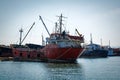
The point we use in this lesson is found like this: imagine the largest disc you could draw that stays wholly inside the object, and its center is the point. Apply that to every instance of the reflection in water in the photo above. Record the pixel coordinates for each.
(65, 71)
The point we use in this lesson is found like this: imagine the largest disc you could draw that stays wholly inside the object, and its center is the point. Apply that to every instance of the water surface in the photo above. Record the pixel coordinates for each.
(84, 69)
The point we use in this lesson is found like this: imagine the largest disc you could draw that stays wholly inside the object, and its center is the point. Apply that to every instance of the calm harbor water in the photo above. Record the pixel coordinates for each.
(84, 69)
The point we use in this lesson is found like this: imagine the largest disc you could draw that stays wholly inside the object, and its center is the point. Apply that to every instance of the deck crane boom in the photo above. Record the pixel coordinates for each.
(28, 32)
(44, 25)
(78, 32)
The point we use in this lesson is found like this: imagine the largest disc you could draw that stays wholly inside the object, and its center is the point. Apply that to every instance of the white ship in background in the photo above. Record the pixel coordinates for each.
(94, 50)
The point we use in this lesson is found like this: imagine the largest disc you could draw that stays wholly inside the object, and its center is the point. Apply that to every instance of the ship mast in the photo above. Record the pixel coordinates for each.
(43, 42)
(109, 43)
(91, 42)
(21, 30)
(60, 21)
(101, 41)
(56, 27)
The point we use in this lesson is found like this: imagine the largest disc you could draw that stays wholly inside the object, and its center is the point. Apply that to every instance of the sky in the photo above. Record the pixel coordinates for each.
(101, 18)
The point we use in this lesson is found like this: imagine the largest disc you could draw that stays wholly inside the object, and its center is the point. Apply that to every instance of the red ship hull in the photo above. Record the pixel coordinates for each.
(50, 53)
(68, 54)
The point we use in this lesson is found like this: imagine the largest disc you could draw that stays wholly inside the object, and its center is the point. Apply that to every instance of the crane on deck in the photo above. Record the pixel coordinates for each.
(44, 25)
(21, 41)
(77, 32)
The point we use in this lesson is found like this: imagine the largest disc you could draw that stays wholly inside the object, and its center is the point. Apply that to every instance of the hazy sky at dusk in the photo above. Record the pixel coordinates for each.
(99, 17)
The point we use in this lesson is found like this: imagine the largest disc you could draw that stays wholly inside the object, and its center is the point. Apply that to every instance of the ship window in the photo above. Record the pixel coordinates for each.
(38, 55)
(20, 54)
(28, 56)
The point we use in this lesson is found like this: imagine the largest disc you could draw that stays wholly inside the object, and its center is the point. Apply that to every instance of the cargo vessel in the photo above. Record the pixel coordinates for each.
(61, 46)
